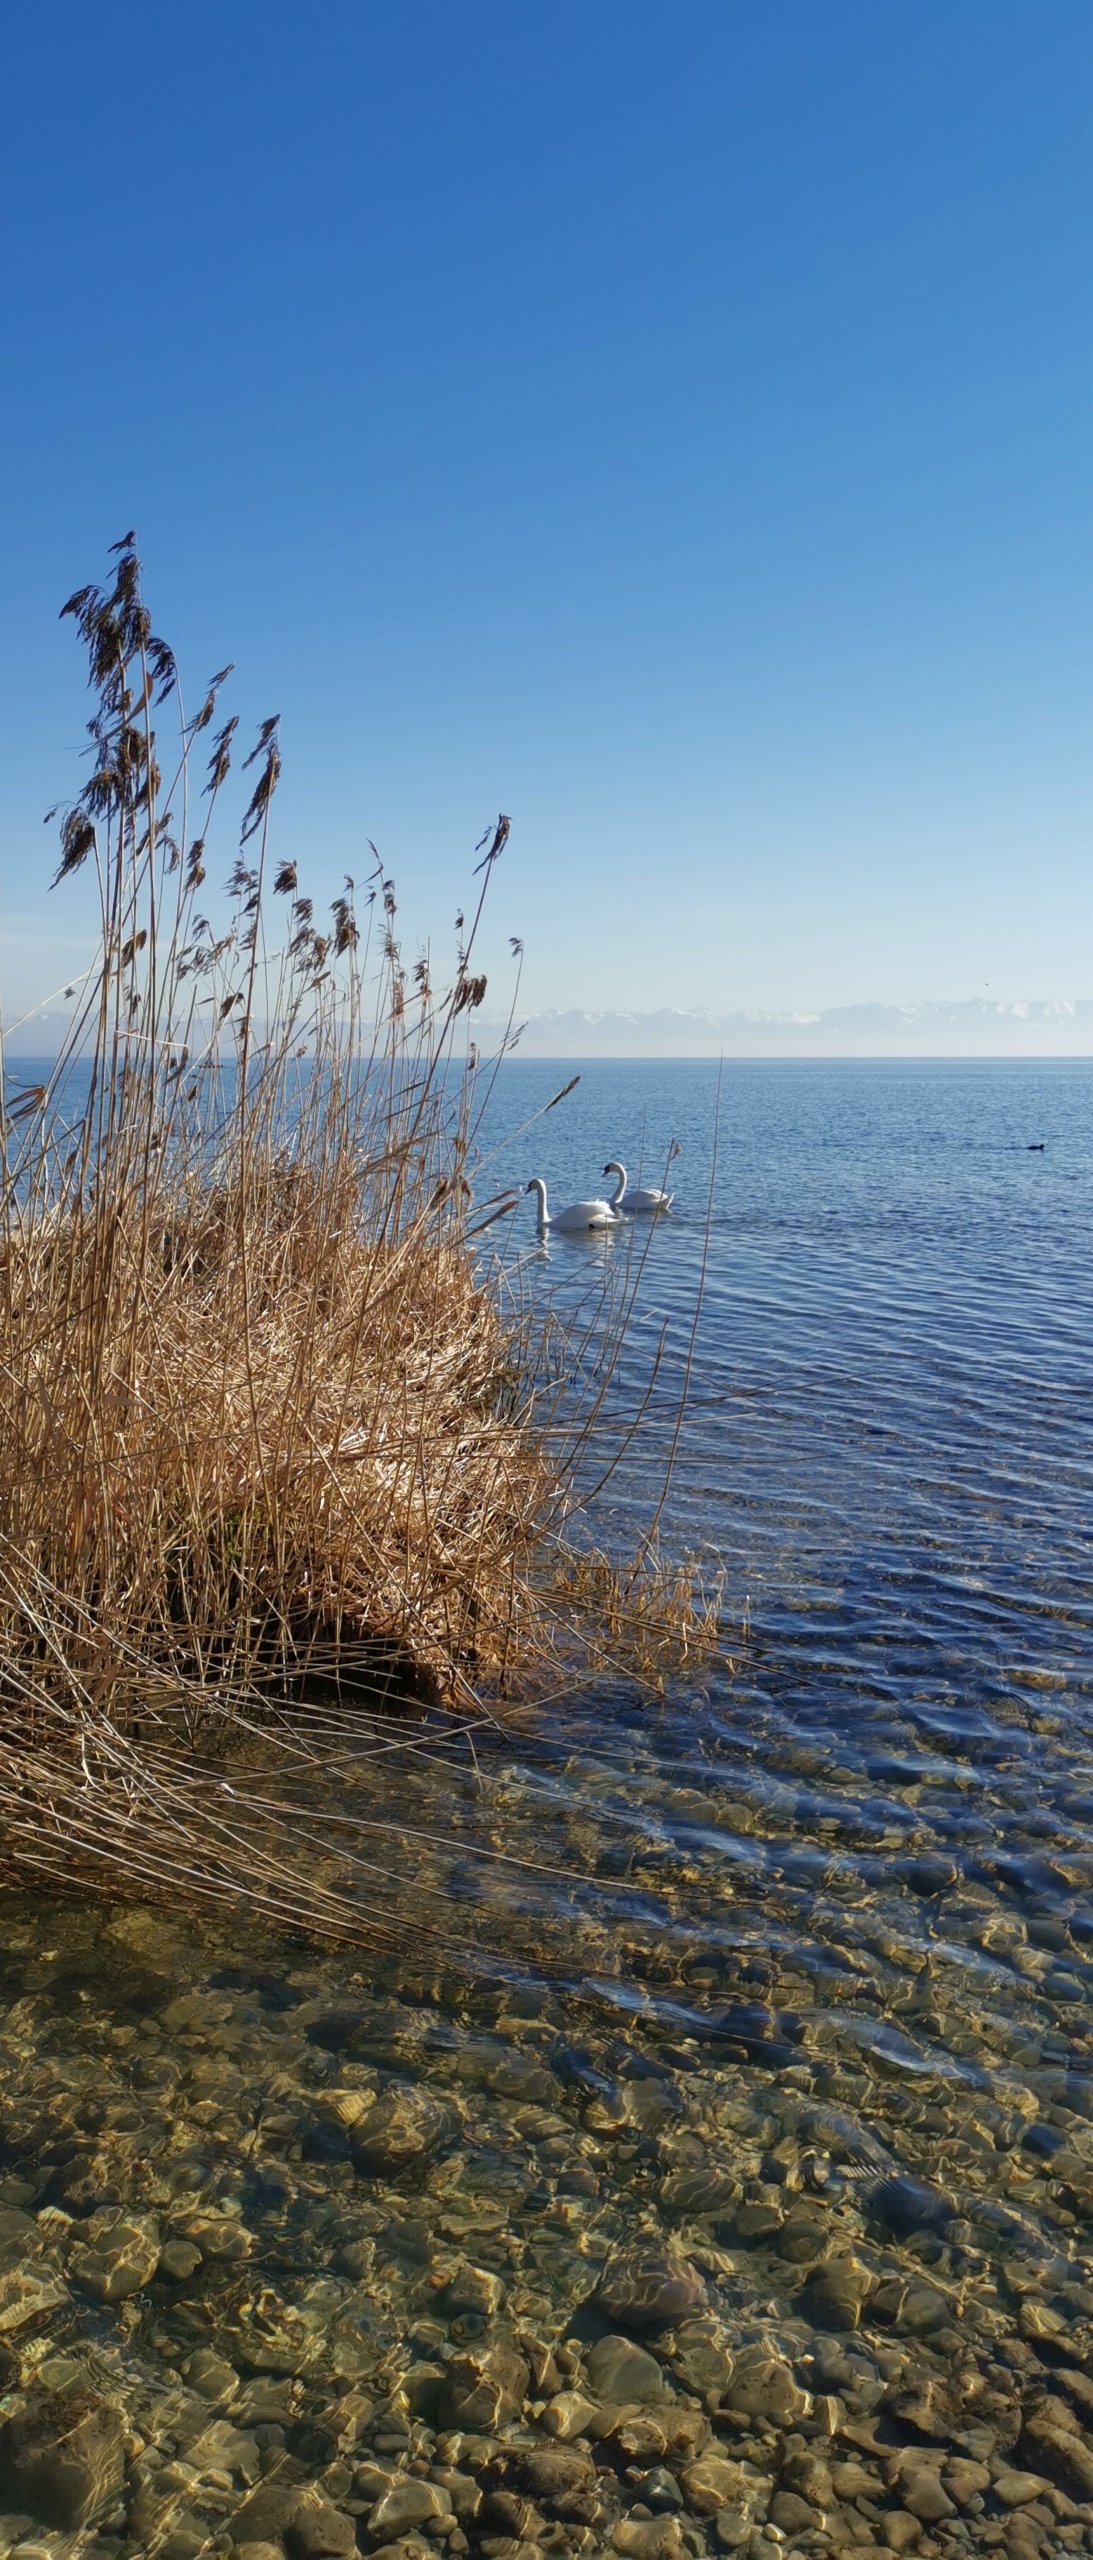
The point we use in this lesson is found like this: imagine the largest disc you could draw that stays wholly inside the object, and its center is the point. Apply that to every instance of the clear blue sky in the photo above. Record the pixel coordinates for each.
(672, 424)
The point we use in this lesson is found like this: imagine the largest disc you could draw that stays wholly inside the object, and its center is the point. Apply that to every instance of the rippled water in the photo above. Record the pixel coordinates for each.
(783, 2070)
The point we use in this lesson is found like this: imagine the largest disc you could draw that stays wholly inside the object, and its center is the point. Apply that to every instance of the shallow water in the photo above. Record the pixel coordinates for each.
(775, 2056)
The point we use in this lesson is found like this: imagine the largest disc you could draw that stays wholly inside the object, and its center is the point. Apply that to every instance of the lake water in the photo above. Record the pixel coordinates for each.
(775, 2058)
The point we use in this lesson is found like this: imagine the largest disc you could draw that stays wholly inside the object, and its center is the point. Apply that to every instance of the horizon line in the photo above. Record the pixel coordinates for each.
(716, 1057)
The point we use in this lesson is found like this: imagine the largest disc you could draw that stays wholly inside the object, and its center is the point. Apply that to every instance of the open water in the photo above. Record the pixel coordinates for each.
(739, 2196)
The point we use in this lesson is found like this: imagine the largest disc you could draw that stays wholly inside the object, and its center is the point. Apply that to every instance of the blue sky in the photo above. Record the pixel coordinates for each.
(669, 423)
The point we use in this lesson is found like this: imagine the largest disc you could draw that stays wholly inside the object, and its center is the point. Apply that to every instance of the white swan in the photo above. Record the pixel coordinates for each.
(638, 1203)
(577, 1220)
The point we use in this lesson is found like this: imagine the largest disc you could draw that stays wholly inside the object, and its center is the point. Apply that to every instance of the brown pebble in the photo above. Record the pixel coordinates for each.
(923, 2495)
(658, 2539)
(899, 2530)
(811, 2478)
(1017, 2488)
(1023, 2539)
(964, 2479)
(790, 2513)
(711, 2484)
(319, 2531)
(1050, 2441)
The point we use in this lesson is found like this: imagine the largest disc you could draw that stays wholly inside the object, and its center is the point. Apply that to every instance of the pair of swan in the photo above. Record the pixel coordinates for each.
(585, 1215)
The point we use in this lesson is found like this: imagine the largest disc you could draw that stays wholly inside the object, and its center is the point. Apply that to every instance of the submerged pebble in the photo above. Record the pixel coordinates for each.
(764, 2230)
(647, 2287)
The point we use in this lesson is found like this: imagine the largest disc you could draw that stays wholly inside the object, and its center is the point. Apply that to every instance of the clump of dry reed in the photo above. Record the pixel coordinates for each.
(269, 1453)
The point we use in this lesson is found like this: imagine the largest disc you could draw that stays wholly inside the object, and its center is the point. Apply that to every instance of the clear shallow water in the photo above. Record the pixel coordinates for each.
(817, 1926)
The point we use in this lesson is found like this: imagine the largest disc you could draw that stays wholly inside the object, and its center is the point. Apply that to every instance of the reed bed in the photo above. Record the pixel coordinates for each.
(278, 1462)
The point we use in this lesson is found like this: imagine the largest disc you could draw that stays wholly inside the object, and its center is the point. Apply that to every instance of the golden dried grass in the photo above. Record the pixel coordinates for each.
(272, 1459)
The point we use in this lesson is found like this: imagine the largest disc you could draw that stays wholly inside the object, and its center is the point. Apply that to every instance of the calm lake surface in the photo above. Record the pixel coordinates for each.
(775, 2056)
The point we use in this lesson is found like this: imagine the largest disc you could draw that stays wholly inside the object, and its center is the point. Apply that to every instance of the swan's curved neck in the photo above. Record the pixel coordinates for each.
(620, 1186)
(538, 1185)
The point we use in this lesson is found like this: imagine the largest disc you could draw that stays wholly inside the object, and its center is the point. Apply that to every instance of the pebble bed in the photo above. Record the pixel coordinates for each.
(761, 2226)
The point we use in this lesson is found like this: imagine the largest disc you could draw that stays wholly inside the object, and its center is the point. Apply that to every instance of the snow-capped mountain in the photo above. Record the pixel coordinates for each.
(977, 1026)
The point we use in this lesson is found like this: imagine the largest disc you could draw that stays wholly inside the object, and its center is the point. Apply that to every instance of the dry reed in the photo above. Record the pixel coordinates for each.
(272, 1460)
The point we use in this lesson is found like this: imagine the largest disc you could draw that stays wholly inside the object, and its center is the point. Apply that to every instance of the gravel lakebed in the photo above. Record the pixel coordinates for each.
(303, 2254)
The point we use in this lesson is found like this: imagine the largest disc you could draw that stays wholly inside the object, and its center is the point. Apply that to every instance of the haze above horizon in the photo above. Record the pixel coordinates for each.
(670, 426)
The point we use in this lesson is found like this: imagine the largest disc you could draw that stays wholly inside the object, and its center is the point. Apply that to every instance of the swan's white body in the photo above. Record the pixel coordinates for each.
(640, 1204)
(579, 1219)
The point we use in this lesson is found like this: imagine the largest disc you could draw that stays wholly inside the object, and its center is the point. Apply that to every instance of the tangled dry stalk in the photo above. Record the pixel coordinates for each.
(271, 1461)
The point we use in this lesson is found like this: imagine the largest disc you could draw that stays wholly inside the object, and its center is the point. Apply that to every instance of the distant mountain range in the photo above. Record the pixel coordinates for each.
(1030, 1027)
(1034, 1026)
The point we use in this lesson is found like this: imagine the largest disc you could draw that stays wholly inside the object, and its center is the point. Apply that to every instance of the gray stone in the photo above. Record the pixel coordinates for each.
(211, 2375)
(1024, 2537)
(1058, 2453)
(659, 2539)
(400, 2132)
(406, 2505)
(905, 2206)
(702, 2358)
(931, 2404)
(686, 2429)
(569, 2414)
(474, 2289)
(184, 2542)
(922, 2310)
(18, 2230)
(900, 2530)
(634, 2432)
(483, 2389)
(422, 2384)
(965, 2479)
(371, 2479)
(646, 2288)
(790, 2513)
(223, 2447)
(661, 2491)
(27, 2291)
(712, 2483)
(116, 2254)
(563, 2480)
(318, 2531)
(341, 2109)
(922, 2494)
(804, 2237)
(1078, 2388)
(710, 2193)
(810, 2477)
(762, 2386)
(266, 2514)
(179, 2259)
(465, 2494)
(1017, 2488)
(504, 2512)
(62, 2457)
(836, 2293)
(619, 2371)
